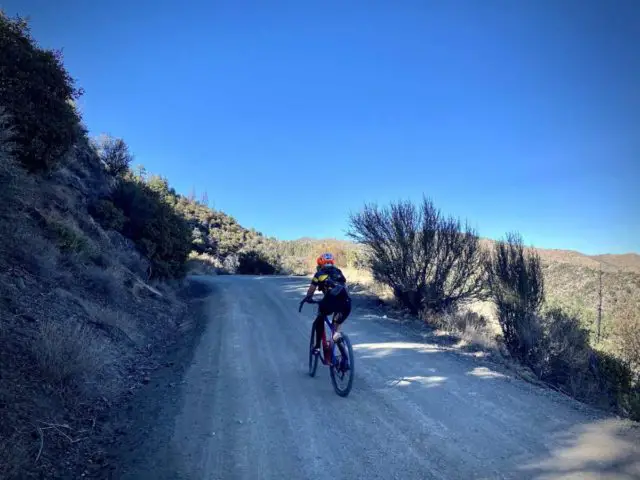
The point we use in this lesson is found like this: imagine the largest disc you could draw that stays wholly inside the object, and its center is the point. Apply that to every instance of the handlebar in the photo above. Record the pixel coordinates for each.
(304, 300)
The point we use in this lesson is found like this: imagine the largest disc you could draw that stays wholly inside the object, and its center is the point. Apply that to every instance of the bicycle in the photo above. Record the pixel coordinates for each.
(331, 355)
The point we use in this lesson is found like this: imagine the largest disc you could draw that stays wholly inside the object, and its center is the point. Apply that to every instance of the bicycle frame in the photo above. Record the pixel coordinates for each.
(328, 345)
(328, 357)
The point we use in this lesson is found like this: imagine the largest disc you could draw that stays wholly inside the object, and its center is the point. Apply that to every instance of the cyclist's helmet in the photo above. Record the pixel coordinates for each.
(325, 259)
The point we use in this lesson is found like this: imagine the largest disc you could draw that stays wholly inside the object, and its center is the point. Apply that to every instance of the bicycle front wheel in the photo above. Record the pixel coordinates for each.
(342, 371)
(313, 359)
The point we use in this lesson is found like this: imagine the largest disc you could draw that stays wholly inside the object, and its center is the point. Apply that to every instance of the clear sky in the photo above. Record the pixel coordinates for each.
(515, 115)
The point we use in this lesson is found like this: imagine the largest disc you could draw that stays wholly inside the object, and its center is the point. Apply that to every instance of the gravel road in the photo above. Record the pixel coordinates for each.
(246, 408)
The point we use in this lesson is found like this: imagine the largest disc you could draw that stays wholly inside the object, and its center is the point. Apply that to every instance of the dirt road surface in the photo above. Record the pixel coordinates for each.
(245, 407)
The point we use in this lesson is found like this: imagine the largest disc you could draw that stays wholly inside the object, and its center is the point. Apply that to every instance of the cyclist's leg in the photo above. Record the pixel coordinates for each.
(338, 319)
(342, 311)
(323, 311)
(318, 324)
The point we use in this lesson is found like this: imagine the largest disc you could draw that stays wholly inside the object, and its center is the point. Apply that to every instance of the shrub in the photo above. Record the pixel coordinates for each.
(428, 260)
(158, 231)
(615, 379)
(38, 93)
(562, 352)
(516, 285)
(626, 335)
(254, 263)
(114, 155)
(110, 216)
(230, 264)
(69, 237)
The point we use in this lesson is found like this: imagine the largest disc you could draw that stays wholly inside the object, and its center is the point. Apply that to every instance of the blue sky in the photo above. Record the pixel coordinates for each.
(514, 115)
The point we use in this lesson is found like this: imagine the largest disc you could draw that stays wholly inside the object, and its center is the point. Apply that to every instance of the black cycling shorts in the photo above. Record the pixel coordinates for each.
(331, 304)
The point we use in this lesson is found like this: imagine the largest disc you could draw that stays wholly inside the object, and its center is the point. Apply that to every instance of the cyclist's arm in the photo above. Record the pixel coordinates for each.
(311, 291)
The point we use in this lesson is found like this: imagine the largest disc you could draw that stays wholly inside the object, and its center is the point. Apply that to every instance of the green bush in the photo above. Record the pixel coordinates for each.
(143, 210)
(114, 155)
(615, 379)
(255, 263)
(69, 238)
(110, 216)
(38, 93)
(158, 230)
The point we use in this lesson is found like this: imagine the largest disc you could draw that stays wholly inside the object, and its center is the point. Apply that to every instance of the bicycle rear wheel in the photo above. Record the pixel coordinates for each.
(342, 372)
(313, 359)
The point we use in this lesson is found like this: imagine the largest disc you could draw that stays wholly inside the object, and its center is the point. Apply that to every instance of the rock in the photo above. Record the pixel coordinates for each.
(20, 283)
(146, 380)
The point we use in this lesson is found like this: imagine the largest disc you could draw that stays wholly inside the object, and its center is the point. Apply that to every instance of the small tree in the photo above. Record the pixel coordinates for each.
(114, 154)
(38, 93)
(431, 262)
(516, 284)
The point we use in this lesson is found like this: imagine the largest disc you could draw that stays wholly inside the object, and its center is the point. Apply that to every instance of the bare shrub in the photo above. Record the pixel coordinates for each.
(516, 285)
(69, 351)
(431, 262)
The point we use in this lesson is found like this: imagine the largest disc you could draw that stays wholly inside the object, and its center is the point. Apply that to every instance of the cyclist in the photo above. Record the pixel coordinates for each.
(332, 283)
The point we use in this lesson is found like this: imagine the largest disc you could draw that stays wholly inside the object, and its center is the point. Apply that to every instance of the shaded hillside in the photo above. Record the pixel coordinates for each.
(83, 311)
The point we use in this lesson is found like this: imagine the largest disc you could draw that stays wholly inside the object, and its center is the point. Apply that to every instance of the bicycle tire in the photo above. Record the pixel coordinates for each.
(344, 392)
(313, 359)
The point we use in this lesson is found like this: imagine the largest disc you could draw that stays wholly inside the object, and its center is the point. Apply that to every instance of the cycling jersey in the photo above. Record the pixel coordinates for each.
(330, 280)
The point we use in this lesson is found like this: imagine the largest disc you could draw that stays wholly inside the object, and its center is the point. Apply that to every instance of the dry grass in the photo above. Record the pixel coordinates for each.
(108, 283)
(14, 450)
(364, 279)
(69, 352)
(471, 328)
(115, 320)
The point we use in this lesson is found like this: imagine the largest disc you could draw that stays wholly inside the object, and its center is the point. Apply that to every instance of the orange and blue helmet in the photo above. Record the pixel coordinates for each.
(325, 259)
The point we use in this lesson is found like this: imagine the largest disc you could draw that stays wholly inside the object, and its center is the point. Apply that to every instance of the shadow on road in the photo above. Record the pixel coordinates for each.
(604, 449)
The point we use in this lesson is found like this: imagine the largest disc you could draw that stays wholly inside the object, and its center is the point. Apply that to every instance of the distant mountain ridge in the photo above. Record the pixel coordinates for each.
(626, 262)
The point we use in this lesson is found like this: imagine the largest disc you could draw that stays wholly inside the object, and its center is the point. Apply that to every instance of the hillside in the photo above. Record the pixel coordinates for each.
(571, 277)
(91, 266)
(627, 261)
